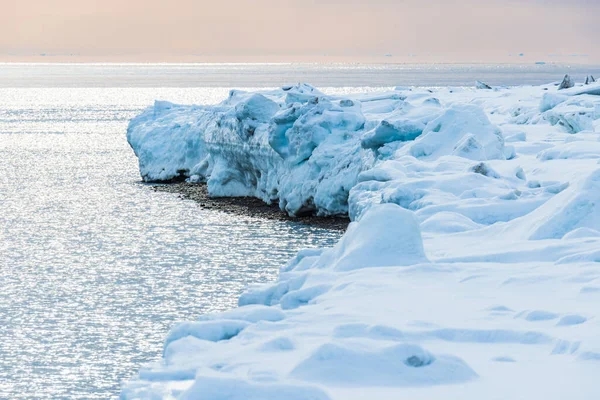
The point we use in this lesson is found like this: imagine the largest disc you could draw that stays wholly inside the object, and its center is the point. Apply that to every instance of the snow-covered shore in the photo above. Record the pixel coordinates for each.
(472, 267)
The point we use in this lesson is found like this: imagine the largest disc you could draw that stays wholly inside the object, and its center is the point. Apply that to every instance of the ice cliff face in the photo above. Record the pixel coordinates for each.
(295, 146)
(450, 150)
(299, 147)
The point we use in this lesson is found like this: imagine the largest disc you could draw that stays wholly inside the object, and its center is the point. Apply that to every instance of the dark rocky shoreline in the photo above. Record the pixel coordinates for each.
(248, 206)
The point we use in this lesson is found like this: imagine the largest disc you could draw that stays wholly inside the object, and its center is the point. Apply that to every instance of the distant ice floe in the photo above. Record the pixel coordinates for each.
(473, 258)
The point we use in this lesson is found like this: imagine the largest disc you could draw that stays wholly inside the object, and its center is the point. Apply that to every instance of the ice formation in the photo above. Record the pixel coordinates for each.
(482, 85)
(566, 83)
(261, 145)
(589, 79)
(472, 259)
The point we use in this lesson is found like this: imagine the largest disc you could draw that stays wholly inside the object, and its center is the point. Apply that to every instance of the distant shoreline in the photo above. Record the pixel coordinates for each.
(272, 75)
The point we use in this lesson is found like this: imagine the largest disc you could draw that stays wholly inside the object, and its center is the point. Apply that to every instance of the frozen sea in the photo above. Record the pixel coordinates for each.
(94, 265)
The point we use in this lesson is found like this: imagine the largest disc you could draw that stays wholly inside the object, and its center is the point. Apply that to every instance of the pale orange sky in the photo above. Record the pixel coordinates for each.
(294, 30)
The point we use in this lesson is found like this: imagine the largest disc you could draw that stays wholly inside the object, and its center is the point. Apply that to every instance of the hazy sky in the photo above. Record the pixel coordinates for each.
(283, 30)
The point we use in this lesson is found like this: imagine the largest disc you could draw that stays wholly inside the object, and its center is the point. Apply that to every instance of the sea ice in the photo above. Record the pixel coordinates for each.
(468, 264)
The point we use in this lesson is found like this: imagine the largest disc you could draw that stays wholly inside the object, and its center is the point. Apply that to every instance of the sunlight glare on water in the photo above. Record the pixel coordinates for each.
(95, 266)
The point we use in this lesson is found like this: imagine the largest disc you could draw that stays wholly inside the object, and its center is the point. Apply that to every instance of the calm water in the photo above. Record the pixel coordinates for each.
(262, 75)
(95, 266)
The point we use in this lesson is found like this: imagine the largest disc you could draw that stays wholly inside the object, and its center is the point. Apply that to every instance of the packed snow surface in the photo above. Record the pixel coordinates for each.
(471, 269)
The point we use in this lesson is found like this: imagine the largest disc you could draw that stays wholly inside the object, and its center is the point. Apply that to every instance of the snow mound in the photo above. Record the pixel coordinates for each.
(517, 137)
(591, 89)
(573, 118)
(297, 298)
(362, 246)
(387, 132)
(570, 320)
(255, 108)
(398, 365)
(572, 151)
(551, 100)
(574, 208)
(278, 344)
(463, 130)
(212, 331)
(582, 233)
(448, 222)
(272, 294)
(251, 313)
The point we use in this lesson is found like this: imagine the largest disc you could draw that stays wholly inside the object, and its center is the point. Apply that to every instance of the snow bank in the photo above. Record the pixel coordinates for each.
(592, 89)
(573, 118)
(576, 207)
(463, 130)
(364, 246)
(397, 365)
(469, 263)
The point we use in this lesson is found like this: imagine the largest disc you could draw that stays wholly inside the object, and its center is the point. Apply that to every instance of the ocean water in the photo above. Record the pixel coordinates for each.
(95, 266)
(271, 75)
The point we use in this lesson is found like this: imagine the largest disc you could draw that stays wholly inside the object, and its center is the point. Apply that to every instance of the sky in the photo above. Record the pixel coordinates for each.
(301, 30)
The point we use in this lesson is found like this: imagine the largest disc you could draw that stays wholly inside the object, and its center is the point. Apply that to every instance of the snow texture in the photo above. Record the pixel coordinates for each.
(472, 259)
